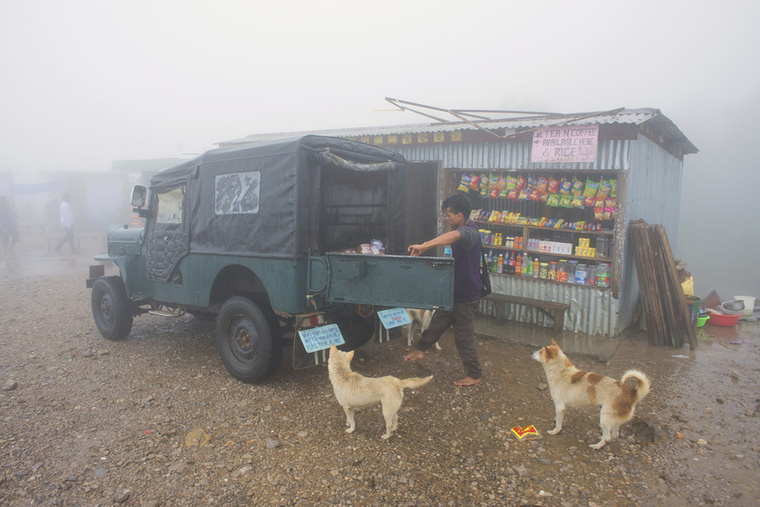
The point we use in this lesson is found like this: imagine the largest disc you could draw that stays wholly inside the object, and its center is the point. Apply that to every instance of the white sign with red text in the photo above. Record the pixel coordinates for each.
(565, 144)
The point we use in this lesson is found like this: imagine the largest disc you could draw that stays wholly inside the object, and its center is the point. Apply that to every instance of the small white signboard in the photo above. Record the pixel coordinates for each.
(394, 317)
(320, 338)
(565, 144)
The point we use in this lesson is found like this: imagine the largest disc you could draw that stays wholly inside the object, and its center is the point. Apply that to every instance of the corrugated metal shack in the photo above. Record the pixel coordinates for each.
(641, 149)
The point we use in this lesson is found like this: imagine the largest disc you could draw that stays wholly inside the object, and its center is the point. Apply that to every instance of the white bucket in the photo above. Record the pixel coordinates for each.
(749, 304)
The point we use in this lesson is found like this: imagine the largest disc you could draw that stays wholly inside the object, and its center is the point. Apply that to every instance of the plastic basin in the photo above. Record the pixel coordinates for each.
(749, 304)
(717, 319)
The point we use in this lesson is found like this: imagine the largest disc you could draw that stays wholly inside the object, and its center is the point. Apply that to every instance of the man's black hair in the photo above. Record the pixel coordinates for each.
(458, 203)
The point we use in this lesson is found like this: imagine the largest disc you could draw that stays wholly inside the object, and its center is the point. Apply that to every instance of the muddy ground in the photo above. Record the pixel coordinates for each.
(157, 420)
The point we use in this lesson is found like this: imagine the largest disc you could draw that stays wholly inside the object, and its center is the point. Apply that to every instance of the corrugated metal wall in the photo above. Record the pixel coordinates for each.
(653, 192)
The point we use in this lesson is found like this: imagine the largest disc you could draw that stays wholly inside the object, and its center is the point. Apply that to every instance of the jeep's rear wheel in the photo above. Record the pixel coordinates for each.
(111, 308)
(245, 341)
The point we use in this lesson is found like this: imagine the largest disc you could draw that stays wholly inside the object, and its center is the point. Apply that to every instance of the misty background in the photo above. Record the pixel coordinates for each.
(89, 82)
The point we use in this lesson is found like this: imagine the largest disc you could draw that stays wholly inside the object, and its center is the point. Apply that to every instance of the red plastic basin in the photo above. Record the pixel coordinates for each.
(718, 319)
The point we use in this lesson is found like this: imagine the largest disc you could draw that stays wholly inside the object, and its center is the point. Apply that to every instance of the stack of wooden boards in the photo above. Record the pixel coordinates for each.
(666, 311)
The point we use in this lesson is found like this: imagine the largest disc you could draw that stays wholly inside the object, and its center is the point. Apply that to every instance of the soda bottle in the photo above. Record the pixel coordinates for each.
(489, 259)
(511, 263)
(518, 265)
(536, 267)
(500, 267)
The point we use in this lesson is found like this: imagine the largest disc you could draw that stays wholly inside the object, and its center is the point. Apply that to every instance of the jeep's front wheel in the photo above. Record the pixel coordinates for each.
(111, 308)
(245, 341)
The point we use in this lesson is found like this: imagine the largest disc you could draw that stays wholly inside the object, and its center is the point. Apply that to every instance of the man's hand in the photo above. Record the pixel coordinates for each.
(416, 250)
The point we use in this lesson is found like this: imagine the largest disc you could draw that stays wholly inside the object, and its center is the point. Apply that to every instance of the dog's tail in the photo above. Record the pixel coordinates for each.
(414, 382)
(644, 383)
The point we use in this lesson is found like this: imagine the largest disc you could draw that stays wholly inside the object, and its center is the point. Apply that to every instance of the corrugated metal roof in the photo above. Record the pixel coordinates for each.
(660, 123)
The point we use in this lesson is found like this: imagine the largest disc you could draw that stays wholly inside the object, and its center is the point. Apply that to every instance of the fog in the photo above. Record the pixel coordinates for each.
(88, 82)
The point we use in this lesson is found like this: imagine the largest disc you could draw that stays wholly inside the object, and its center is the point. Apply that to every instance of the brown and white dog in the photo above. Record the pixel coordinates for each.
(353, 390)
(571, 387)
(421, 317)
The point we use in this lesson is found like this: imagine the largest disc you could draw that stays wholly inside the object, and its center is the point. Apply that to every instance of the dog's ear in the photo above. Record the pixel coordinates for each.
(554, 343)
(350, 356)
(333, 349)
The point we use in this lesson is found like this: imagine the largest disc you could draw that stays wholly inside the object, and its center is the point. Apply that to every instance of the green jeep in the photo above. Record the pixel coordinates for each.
(264, 239)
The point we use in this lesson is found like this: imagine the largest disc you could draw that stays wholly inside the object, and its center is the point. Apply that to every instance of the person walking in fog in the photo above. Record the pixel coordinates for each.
(8, 227)
(67, 222)
(466, 246)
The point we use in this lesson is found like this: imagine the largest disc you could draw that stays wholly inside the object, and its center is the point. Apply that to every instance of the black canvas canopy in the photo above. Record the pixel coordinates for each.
(275, 199)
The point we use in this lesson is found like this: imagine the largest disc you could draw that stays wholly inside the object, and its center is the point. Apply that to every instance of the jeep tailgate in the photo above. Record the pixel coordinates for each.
(384, 280)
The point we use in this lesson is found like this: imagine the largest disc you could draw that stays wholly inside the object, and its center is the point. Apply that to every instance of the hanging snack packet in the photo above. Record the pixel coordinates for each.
(532, 183)
(464, 183)
(591, 188)
(475, 182)
(484, 185)
(521, 182)
(493, 182)
(501, 184)
(523, 194)
(543, 184)
(565, 186)
(599, 201)
(577, 188)
(553, 186)
(609, 213)
(577, 201)
(534, 195)
(565, 201)
(553, 200)
(604, 189)
(588, 201)
(610, 203)
(598, 213)
(512, 194)
(613, 188)
(511, 182)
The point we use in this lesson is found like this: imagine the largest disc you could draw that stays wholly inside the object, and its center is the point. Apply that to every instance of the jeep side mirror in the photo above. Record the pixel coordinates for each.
(139, 194)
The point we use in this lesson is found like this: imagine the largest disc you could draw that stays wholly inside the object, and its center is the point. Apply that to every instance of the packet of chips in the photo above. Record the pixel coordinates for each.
(512, 194)
(565, 201)
(598, 213)
(532, 183)
(464, 183)
(577, 188)
(589, 201)
(609, 213)
(542, 184)
(577, 201)
(552, 200)
(484, 185)
(552, 186)
(604, 189)
(475, 182)
(610, 203)
(591, 188)
(511, 182)
(523, 194)
(521, 182)
(534, 195)
(564, 186)
(613, 188)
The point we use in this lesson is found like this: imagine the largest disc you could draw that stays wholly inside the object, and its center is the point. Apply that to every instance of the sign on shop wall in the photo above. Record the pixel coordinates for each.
(565, 144)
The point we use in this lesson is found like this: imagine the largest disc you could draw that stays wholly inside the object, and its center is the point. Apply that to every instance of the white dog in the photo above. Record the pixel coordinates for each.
(571, 387)
(353, 390)
(421, 317)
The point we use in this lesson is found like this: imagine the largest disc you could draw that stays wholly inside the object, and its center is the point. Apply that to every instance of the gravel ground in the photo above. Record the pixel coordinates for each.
(157, 420)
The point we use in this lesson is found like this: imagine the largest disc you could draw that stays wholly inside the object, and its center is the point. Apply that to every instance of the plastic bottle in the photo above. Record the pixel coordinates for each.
(536, 267)
(500, 264)
(512, 262)
(489, 259)
(518, 265)
(527, 269)
(447, 251)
